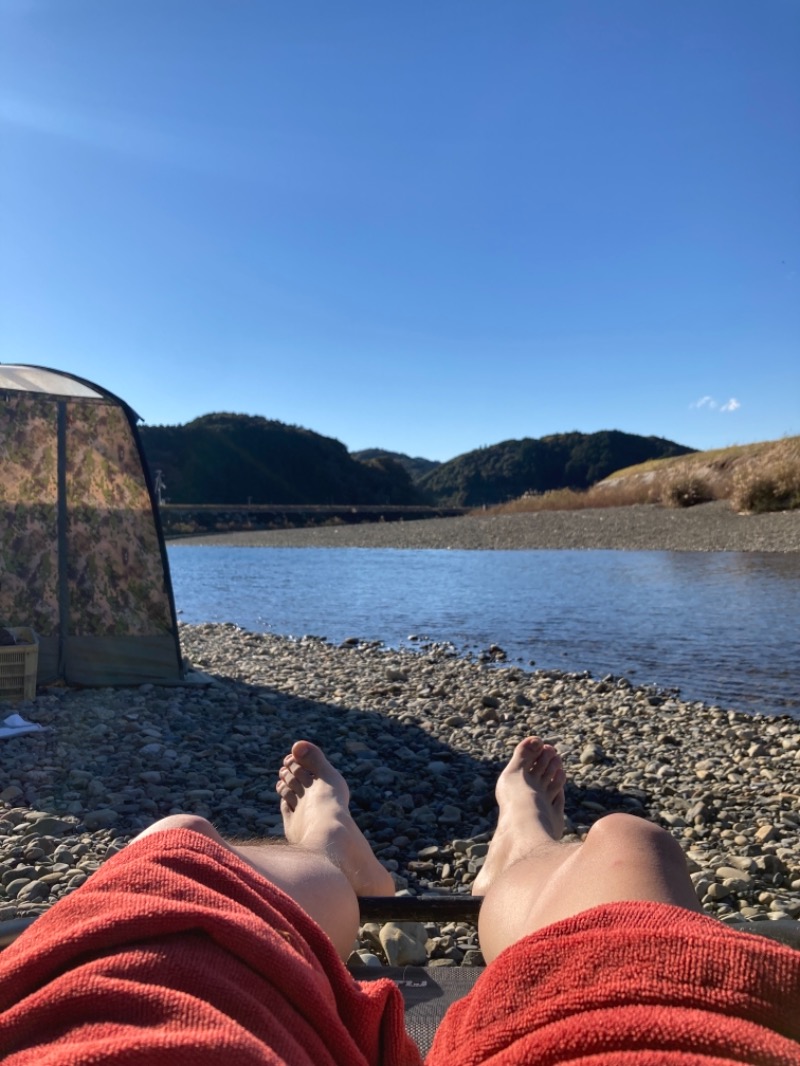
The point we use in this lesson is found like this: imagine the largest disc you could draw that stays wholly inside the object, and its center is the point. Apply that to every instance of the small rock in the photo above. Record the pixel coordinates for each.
(742, 862)
(698, 814)
(404, 943)
(473, 957)
(436, 766)
(13, 888)
(765, 833)
(591, 754)
(487, 714)
(104, 818)
(54, 878)
(675, 820)
(732, 873)
(477, 851)
(717, 892)
(382, 776)
(48, 825)
(365, 958)
(431, 852)
(701, 887)
(356, 747)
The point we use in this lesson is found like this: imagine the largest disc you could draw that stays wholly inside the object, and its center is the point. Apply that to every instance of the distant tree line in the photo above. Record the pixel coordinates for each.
(238, 459)
(234, 459)
(508, 470)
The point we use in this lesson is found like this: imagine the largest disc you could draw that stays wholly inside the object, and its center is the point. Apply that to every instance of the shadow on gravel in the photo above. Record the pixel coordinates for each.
(113, 762)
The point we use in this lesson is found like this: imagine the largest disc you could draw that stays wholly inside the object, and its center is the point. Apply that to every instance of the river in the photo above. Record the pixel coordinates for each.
(721, 627)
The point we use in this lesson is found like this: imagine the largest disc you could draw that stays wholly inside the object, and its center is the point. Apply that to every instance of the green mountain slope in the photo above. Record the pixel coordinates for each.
(417, 467)
(236, 459)
(566, 460)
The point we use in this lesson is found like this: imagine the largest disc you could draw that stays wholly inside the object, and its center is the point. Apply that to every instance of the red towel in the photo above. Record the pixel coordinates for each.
(630, 984)
(176, 951)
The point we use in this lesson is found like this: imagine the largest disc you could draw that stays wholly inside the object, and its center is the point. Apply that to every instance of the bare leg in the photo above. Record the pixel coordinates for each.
(531, 878)
(328, 861)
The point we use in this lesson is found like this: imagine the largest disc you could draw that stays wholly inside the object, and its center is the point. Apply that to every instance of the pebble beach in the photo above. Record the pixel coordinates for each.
(421, 736)
(710, 527)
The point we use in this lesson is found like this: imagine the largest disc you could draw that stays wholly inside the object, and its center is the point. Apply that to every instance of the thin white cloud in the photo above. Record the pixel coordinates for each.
(710, 404)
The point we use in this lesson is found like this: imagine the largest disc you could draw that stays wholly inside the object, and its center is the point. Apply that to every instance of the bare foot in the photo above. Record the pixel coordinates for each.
(316, 816)
(530, 795)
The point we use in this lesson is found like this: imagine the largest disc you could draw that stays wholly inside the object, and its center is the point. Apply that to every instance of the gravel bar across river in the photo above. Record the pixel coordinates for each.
(421, 736)
(646, 527)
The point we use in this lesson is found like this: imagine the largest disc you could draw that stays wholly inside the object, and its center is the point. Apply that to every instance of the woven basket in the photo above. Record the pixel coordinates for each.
(18, 665)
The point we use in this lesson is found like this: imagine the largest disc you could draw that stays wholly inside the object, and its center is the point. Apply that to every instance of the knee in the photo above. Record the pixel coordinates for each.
(187, 821)
(629, 834)
(183, 821)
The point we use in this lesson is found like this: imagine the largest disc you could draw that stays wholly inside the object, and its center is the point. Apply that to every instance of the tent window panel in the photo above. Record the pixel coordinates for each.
(28, 571)
(103, 467)
(28, 515)
(115, 572)
(28, 472)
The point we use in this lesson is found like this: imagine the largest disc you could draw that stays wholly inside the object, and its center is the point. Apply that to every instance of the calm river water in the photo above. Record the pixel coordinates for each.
(721, 627)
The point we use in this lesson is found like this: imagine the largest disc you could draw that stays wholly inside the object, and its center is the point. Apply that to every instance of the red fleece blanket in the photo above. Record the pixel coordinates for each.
(176, 951)
(630, 984)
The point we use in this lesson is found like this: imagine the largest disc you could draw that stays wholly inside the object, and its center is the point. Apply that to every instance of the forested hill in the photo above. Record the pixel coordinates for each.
(566, 460)
(416, 467)
(239, 459)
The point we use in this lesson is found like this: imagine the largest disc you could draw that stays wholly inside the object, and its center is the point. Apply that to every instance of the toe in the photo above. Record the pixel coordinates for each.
(292, 781)
(525, 754)
(289, 799)
(294, 771)
(310, 758)
(555, 786)
(546, 763)
(559, 778)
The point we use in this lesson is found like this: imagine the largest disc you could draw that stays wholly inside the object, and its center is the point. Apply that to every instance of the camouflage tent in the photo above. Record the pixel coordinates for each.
(82, 556)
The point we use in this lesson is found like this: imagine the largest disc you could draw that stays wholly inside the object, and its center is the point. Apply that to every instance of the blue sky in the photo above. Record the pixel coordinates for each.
(425, 226)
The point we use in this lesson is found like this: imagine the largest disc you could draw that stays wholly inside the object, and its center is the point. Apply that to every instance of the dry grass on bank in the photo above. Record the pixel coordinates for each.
(572, 500)
(755, 478)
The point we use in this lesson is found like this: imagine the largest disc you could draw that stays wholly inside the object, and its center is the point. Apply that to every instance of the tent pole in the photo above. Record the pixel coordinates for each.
(63, 575)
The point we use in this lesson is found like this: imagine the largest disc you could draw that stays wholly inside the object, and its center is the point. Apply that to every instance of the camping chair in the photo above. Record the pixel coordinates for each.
(428, 991)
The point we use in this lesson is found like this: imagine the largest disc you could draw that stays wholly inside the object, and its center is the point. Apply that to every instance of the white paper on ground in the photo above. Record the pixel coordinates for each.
(15, 725)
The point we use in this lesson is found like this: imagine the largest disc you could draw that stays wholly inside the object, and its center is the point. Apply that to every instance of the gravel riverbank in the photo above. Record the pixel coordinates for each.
(421, 737)
(646, 527)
